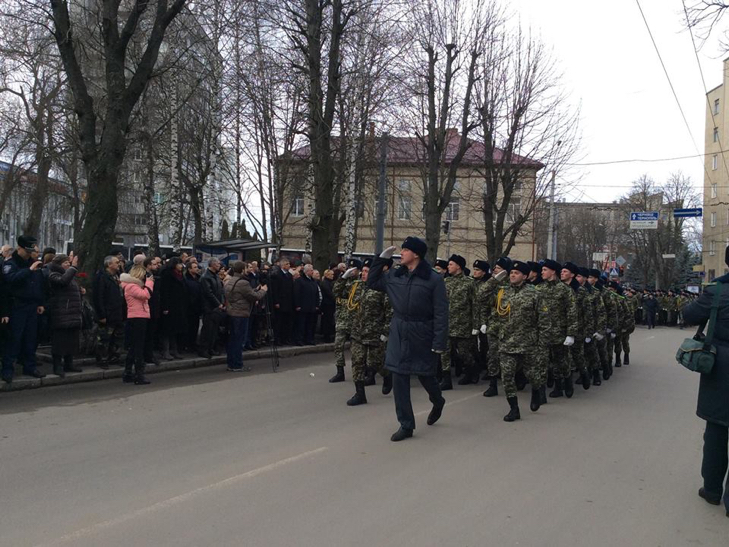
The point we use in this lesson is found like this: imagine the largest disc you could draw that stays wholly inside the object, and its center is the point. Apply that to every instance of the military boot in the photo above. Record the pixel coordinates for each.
(596, 378)
(585, 379)
(370, 377)
(387, 384)
(557, 391)
(618, 363)
(338, 377)
(513, 414)
(543, 395)
(550, 378)
(626, 358)
(468, 378)
(359, 397)
(446, 384)
(569, 388)
(536, 399)
(606, 372)
(493, 389)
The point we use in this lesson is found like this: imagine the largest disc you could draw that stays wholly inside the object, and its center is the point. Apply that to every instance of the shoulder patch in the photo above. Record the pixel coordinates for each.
(7, 268)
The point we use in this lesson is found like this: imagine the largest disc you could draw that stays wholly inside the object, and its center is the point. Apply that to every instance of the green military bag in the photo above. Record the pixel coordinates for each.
(698, 355)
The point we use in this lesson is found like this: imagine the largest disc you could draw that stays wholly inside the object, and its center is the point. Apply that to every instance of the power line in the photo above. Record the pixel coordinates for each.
(643, 160)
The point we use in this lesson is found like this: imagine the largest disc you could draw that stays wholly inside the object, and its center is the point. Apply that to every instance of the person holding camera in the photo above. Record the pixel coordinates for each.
(713, 401)
(26, 287)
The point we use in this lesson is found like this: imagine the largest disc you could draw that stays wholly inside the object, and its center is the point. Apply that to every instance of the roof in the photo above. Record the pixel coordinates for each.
(410, 151)
(236, 244)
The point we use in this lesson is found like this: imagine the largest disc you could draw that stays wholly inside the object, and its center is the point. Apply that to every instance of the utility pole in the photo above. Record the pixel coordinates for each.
(381, 195)
(551, 243)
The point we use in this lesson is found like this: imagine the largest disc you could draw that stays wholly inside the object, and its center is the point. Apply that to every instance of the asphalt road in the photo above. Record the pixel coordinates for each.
(209, 458)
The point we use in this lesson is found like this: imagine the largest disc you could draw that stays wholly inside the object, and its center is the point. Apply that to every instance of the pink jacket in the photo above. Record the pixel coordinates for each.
(137, 296)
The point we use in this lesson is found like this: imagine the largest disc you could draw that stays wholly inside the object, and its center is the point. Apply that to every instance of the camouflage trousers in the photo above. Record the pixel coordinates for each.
(364, 356)
(342, 336)
(557, 358)
(466, 350)
(622, 343)
(511, 363)
(602, 352)
(109, 341)
(610, 345)
(493, 366)
(592, 356)
(577, 356)
(482, 356)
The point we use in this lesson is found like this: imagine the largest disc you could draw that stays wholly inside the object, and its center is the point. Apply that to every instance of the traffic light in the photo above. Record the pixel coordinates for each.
(446, 226)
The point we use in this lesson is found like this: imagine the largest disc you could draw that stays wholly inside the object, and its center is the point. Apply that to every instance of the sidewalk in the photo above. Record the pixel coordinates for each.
(91, 372)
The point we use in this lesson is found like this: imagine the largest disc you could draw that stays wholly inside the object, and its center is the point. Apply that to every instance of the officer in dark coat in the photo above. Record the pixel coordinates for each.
(713, 403)
(419, 328)
(25, 283)
(282, 296)
(307, 299)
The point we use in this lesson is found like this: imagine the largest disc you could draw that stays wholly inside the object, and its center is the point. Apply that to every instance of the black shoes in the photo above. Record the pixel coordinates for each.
(557, 391)
(58, 371)
(493, 389)
(617, 360)
(596, 378)
(338, 377)
(35, 374)
(128, 379)
(513, 414)
(436, 412)
(569, 389)
(387, 384)
(710, 499)
(401, 434)
(585, 377)
(446, 384)
(536, 401)
(626, 359)
(543, 395)
(140, 380)
(359, 398)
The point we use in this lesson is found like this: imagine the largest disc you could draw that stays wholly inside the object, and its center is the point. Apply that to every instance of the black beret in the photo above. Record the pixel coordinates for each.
(354, 263)
(504, 263)
(27, 242)
(572, 267)
(584, 272)
(441, 263)
(553, 265)
(534, 266)
(416, 245)
(523, 267)
(458, 259)
(367, 262)
(594, 272)
(482, 265)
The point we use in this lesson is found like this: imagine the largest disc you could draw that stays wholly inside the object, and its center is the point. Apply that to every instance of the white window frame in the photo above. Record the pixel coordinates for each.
(404, 208)
(716, 134)
(714, 162)
(297, 206)
(713, 219)
(712, 247)
(716, 106)
(713, 190)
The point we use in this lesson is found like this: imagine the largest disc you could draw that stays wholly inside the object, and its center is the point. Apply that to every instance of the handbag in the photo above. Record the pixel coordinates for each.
(697, 355)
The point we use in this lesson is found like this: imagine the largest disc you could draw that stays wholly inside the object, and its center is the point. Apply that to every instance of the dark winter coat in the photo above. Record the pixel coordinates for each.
(306, 294)
(419, 326)
(155, 298)
(713, 403)
(107, 298)
(65, 300)
(194, 292)
(327, 294)
(174, 302)
(24, 286)
(212, 291)
(282, 290)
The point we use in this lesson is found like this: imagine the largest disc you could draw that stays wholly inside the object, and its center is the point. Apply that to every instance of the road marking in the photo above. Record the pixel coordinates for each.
(176, 500)
(450, 403)
(650, 338)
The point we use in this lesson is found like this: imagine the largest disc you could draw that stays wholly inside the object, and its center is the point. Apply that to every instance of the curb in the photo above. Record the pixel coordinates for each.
(93, 373)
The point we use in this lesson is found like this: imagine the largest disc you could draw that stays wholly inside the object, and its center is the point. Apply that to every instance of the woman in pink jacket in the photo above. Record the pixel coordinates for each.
(137, 289)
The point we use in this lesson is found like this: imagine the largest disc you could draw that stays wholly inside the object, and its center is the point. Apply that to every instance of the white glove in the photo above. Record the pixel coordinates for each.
(569, 341)
(599, 337)
(501, 275)
(483, 329)
(387, 253)
(349, 273)
(588, 340)
(612, 335)
(438, 351)
(383, 338)
(474, 332)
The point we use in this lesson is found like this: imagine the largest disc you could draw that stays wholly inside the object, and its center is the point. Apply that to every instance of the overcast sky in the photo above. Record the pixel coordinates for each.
(612, 70)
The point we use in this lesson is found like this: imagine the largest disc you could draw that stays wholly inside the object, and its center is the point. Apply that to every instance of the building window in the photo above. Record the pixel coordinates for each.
(713, 220)
(404, 185)
(404, 209)
(712, 248)
(715, 162)
(713, 190)
(297, 207)
(716, 106)
(716, 134)
(514, 210)
(712, 275)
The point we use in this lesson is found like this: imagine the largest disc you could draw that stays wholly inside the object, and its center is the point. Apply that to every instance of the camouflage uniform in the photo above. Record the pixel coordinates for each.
(370, 320)
(627, 326)
(520, 324)
(487, 296)
(577, 350)
(610, 324)
(558, 312)
(481, 318)
(595, 324)
(462, 317)
(614, 320)
(345, 291)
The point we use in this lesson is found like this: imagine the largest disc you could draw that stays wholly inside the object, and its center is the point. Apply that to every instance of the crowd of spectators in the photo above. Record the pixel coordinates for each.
(152, 308)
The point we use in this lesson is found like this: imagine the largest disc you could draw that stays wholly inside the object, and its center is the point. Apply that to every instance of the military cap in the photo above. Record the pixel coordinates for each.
(572, 267)
(458, 259)
(416, 245)
(481, 265)
(354, 263)
(504, 262)
(27, 242)
(552, 265)
(534, 266)
(594, 272)
(522, 267)
(441, 263)
(584, 272)
(367, 262)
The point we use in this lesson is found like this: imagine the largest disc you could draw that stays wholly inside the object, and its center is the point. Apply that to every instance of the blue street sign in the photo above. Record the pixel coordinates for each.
(645, 220)
(686, 213)
(614, 273)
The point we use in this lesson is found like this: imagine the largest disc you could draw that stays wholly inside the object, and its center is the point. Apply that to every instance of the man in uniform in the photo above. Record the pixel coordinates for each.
(626, 324)
(520, 326)
(535, 273)
(488, 298)
(481, 274)
(594, 327)
(370, 326)
(23, 276)
(441, 266)
(577, 350)
(347, 302)
(462, 328)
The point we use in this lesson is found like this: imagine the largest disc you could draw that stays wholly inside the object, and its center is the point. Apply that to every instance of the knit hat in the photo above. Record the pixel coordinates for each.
(481, 265)
(553, 265)
(416, 245)
(523, 267)
(458, 259)
(504, 263)
(572, 267)
(354, 263)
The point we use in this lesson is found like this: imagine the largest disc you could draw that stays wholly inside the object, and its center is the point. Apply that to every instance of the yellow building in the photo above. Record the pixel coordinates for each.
(716, 181)
(404, 213)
